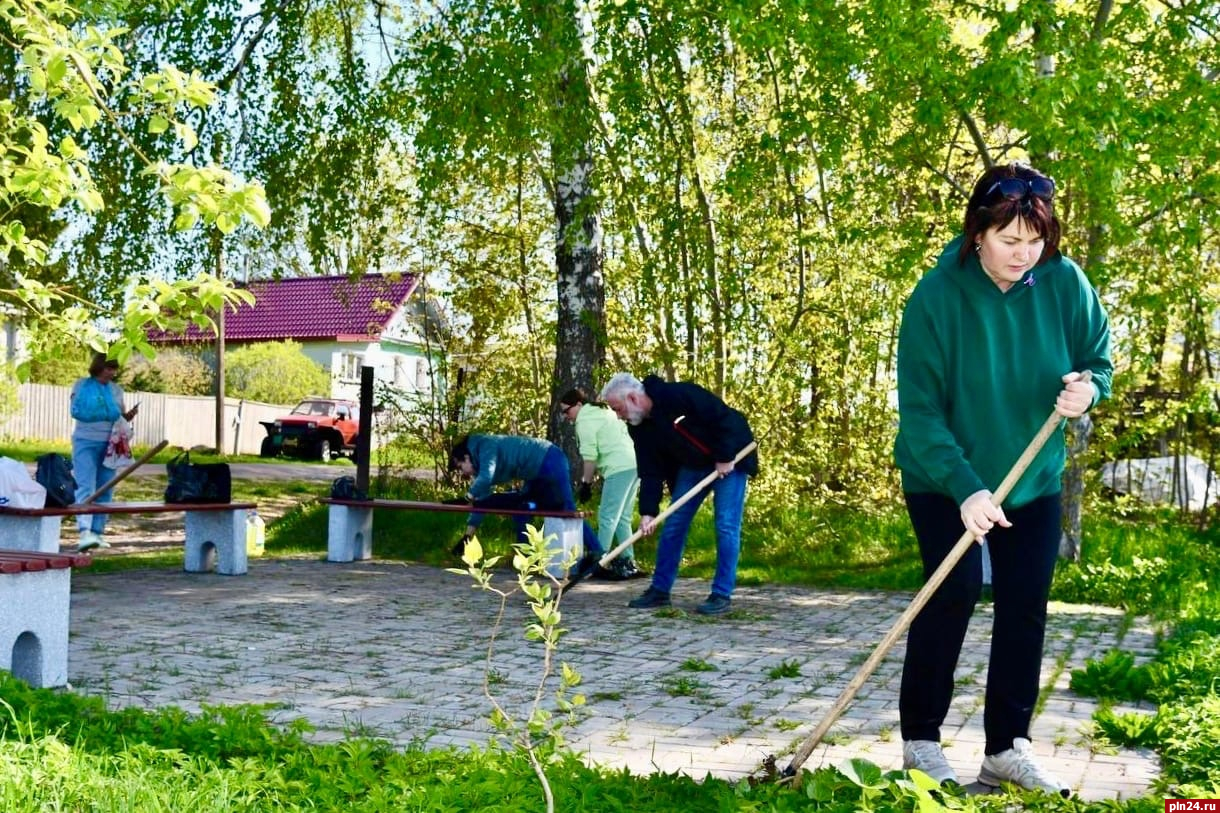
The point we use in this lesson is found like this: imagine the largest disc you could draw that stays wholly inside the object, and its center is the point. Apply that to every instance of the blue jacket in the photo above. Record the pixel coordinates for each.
(503, 458)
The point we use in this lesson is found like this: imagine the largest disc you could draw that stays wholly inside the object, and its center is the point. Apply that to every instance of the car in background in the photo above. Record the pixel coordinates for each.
(318, 428)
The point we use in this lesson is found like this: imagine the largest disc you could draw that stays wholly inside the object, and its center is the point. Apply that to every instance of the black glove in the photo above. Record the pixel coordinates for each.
(456, 501)
(459, 549)
(586, 492)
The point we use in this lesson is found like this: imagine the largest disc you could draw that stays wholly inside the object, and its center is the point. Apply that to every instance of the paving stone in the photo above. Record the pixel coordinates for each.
(400, 652)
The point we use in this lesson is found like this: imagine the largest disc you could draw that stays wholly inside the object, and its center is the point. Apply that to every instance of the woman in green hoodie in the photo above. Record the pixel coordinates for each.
(991, 339)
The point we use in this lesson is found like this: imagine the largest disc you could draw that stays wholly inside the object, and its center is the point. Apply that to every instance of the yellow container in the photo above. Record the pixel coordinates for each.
(256, 534)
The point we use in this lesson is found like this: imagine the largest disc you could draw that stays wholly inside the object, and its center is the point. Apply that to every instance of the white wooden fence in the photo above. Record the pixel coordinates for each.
(183, 420)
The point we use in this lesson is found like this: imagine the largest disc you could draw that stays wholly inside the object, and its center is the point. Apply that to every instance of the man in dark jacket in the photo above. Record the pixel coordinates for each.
(682, 433)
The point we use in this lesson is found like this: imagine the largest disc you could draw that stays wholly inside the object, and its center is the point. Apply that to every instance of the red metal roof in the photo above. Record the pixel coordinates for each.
(309, 308)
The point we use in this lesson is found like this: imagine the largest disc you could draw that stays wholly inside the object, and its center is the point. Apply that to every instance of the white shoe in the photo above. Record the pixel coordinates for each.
(90, 540)
(1017, 765)
(929, 757)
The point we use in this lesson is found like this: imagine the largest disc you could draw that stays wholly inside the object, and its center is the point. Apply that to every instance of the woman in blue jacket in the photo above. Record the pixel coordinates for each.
(96, 403)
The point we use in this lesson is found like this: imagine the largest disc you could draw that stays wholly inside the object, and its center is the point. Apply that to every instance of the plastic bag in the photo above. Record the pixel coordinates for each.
(197, 482)
(118, 448)
(17, 488)
(344, 488)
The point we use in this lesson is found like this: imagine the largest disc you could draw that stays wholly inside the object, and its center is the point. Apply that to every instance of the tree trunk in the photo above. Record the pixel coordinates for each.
(1079, 431)
(580, 287)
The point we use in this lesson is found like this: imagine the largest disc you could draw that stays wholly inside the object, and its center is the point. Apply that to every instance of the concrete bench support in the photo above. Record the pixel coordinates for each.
(350, 533)
(24, 532)
(350, 528)
(34, 626)
(567, 546)
(216, 537)
(215, 532)
(35, 597)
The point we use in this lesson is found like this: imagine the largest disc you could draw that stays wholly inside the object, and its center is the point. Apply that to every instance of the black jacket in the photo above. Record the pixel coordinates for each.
(708, 432)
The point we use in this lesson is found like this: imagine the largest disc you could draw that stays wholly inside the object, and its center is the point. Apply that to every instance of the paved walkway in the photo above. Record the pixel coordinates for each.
(399, 651)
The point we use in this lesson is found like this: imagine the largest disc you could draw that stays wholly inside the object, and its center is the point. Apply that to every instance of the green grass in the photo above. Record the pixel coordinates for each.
(28, 452)
(1149, 562)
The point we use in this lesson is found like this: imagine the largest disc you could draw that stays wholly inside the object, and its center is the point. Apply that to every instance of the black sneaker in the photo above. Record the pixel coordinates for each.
(608, 574)
(650, 599)
(627, 569)
(716, 604)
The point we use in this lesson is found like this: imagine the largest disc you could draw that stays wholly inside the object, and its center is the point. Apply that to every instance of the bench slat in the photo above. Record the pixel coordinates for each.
(410, 505)
(126, 508)
(16, 561)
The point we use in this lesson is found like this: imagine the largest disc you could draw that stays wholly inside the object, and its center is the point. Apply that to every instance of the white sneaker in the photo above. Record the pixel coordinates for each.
(929, 757)
(1017, 765)
(90, 540)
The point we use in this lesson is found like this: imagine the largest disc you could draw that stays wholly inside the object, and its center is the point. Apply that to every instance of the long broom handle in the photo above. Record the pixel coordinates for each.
(122, 475)
(922, 597)
(675, 505)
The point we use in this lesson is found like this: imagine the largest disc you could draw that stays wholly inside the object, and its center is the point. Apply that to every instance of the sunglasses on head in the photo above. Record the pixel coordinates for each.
(1018, 188)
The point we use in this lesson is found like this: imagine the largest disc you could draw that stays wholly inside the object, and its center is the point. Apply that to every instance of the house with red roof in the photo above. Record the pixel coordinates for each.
(380, 320)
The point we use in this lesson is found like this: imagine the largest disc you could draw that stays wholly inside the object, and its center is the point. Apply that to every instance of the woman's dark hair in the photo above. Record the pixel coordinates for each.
(459, 451)
(574, 396)
(578, 395)
(990, 208)
(101, 362)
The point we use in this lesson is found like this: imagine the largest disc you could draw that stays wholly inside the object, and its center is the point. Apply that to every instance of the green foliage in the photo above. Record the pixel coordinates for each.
(785, 669)
(178, 372)
(1114, 677)
(539, 736)
(1129, 730)
(1149, 561)
(9, 403)
(1182, 681)
(61, 364)
(1130, 586)
(274, 372)
(74, 82)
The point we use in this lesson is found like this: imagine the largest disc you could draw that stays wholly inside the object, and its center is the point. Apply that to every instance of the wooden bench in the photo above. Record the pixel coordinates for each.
(215, 532)
(350, 528)
(35, 591)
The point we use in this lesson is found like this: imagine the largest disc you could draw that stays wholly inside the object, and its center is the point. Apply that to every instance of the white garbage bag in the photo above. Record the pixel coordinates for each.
(17, 487)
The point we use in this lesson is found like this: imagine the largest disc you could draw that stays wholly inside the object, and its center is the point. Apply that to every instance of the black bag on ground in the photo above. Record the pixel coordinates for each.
(54, 473)
(344, 488)
(197, 482)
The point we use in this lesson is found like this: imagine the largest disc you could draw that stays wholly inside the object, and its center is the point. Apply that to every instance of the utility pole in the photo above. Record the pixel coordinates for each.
(219, 271)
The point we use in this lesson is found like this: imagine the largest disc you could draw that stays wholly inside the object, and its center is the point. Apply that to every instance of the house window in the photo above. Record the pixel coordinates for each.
(400, 374)
(421, 375)
(349, 366)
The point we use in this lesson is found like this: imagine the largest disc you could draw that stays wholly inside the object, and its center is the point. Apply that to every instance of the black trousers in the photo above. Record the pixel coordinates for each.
(1022, 564)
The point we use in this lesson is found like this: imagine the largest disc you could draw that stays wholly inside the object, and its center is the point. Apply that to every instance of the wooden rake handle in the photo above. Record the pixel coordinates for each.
(924, 595)
(122, 475)
(675, 505)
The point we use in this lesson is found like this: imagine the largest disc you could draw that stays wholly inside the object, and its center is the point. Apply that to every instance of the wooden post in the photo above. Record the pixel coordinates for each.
(364, 440)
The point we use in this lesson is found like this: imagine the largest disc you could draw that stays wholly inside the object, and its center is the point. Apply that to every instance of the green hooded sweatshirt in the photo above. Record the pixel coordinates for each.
(979, 370)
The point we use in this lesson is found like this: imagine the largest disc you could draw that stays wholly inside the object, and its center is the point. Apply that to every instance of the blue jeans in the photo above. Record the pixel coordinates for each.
(1023, 562)
(728, 501)
(550, 490)
(89, 473)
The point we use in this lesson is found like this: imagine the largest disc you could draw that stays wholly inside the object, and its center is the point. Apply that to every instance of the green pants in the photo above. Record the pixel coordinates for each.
(617, 509)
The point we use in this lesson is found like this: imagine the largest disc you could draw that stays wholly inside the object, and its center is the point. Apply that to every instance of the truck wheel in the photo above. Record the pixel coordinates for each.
(324, 450)
(268, 448)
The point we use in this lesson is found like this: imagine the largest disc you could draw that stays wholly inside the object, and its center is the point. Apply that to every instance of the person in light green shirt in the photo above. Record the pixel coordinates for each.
(606, 449)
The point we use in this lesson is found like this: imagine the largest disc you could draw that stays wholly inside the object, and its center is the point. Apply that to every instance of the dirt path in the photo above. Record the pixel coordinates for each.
(129, 533)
